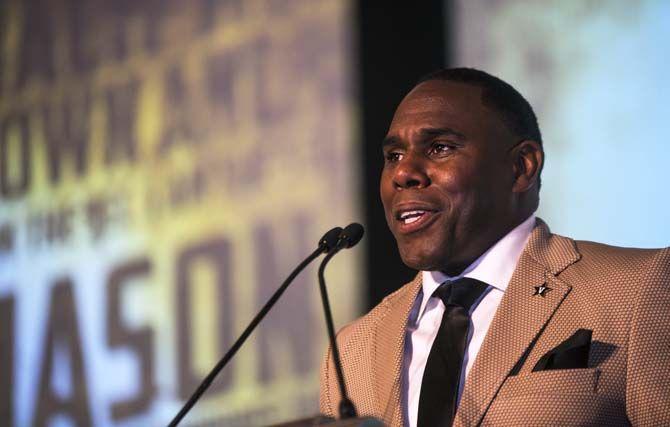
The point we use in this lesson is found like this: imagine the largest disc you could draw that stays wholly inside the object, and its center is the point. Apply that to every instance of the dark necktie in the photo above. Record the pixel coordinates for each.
(439, 388)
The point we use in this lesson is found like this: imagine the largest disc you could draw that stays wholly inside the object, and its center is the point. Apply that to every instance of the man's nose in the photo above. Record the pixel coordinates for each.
(411, 173)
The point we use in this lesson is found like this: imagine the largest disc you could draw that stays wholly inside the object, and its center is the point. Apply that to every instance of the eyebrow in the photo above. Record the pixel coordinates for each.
(441, 132)
(426, 133)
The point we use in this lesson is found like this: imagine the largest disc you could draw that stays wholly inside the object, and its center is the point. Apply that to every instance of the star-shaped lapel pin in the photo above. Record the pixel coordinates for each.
(541, 290)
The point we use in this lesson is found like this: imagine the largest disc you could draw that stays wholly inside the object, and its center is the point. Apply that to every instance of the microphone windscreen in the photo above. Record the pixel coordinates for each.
(330, 239)
(352, 234)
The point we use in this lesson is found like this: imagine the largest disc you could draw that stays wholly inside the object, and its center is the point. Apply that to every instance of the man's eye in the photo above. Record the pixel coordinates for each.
(392, 156)
(440, 148)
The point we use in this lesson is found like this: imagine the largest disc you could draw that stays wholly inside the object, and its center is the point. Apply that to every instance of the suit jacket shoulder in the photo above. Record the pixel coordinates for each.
(365, 323)
(611, 276)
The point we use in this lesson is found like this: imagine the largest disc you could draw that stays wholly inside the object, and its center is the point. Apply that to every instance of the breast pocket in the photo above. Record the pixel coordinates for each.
(556, 382)
(566, 397)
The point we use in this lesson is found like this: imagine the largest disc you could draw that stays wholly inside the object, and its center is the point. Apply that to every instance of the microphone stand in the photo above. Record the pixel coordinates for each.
(350, 236)
(346, 407)
(324, 246)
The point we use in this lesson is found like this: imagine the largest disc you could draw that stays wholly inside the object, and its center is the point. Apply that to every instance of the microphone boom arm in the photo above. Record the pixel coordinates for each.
(204, 385)
(346, 407)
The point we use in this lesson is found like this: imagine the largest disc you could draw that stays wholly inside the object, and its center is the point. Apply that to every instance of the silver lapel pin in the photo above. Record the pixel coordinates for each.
(541, 290)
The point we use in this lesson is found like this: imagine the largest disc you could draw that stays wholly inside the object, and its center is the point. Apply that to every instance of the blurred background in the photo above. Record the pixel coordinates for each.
(165, 164)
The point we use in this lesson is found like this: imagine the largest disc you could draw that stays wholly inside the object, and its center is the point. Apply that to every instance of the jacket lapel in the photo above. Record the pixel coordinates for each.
(387, 352)
(520, 318)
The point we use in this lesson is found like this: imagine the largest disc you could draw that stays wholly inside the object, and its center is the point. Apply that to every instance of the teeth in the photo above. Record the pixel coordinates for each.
(411, 216)
(411, 213)
(412, 219)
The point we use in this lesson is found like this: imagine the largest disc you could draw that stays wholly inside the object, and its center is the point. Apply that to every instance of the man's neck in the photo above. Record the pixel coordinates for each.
(457, 268)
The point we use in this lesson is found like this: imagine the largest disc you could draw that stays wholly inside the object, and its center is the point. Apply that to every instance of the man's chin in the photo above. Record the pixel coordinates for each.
(420, 261)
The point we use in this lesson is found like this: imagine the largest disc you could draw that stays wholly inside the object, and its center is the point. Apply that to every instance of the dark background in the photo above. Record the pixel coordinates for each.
(397, 45)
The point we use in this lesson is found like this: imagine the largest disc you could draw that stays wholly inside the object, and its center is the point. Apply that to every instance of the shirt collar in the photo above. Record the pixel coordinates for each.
(494, 267)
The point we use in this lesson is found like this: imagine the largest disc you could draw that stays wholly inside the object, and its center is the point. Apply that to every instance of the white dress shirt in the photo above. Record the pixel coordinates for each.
(495, 268)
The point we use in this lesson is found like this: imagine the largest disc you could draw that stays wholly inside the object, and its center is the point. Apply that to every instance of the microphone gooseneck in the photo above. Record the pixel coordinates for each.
(327, 244)
(349, 237)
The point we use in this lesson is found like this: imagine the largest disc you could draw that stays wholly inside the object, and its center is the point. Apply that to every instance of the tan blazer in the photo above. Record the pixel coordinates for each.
(622, 295)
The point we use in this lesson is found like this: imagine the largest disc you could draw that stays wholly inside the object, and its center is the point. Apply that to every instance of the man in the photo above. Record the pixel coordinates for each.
(553, 331)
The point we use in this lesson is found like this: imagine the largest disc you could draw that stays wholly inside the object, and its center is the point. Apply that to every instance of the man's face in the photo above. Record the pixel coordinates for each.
(447, 180)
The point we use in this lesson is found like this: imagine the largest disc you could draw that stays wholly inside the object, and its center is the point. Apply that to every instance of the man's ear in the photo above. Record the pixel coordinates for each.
(528, 158)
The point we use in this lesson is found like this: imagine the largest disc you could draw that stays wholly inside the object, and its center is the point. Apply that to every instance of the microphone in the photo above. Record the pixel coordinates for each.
(328, 244)
(330, 240)
(349, 237)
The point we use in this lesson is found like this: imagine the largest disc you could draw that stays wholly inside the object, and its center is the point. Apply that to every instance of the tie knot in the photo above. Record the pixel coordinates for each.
(462, 292)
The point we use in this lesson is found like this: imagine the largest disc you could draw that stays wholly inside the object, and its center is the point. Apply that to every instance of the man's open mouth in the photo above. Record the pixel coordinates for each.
(412, 220)
(410, 217)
